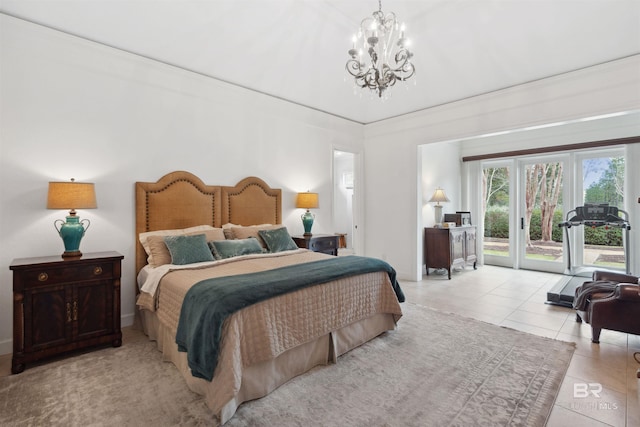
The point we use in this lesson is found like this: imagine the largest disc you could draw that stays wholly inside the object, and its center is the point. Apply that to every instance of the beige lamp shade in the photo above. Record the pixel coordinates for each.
(307, 200)
(439, 196)
(71, 195)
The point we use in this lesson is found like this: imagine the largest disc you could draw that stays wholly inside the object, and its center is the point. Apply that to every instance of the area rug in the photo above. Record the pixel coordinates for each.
(436, 369)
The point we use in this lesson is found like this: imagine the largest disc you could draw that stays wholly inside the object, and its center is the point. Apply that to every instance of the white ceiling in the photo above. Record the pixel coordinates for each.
(297, 49)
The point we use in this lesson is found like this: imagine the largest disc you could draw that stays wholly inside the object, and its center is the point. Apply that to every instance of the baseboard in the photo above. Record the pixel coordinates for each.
(127, 320)
(6, 346)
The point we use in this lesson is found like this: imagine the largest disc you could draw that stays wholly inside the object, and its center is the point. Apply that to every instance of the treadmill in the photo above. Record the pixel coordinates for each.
(589, 215)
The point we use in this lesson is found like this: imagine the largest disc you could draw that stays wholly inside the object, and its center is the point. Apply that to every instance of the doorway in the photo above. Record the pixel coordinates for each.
(344, 200)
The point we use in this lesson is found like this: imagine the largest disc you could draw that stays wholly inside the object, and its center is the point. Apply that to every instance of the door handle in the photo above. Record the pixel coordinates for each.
(522, 223)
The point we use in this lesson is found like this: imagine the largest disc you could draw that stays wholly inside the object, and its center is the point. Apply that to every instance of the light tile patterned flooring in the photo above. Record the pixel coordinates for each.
(516, 299)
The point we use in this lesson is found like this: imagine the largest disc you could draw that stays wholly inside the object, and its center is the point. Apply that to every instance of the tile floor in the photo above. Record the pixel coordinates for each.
(515, 299)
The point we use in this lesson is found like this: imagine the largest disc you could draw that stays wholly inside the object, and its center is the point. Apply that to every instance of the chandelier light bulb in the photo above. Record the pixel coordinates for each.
(389, 59)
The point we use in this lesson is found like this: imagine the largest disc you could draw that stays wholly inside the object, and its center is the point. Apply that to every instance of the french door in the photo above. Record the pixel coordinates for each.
(540, 209)
(525, 199)
(522, 203)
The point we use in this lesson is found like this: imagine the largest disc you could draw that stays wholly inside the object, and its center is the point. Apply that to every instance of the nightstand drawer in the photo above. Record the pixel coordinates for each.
(322, 245)
(325, 243)
(52, 275)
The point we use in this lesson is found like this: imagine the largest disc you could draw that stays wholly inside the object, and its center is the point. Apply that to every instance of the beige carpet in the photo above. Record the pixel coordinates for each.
(435, 369)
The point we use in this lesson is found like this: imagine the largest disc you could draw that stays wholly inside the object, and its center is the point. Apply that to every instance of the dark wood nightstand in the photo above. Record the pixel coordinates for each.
(325, 243)
(60, 305)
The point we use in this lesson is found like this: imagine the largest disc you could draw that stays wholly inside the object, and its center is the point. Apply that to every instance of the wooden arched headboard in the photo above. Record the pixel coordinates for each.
(181, 199)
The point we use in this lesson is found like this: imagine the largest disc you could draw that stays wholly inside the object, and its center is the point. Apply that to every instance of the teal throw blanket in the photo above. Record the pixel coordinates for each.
(208, 303)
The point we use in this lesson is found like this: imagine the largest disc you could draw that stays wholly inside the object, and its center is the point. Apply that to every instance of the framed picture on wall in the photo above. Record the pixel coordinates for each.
(465, 217)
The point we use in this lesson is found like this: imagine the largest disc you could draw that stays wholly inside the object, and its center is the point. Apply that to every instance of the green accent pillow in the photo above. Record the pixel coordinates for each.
(185, 249)
(222, 249)
(278, 240)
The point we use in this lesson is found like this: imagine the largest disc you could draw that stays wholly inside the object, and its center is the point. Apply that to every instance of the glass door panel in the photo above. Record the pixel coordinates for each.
(496, 208)
(540, 211)
(603, 182)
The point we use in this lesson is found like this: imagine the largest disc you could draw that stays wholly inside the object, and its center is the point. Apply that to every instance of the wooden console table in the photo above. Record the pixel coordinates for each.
(449, 247)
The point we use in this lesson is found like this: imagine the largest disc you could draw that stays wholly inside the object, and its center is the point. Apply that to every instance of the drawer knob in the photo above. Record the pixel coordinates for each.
(43, 277)
(97, 271)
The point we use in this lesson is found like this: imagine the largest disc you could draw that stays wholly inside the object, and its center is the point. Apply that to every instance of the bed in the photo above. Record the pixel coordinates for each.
(272, 340)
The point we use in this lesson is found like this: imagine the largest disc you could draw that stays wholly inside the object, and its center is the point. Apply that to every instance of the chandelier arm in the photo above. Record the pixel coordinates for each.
(354, 67)
(404, 65)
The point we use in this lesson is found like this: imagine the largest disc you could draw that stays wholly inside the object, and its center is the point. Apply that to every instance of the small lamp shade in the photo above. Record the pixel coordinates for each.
(438, 196)
(71, 195)
(307, 201)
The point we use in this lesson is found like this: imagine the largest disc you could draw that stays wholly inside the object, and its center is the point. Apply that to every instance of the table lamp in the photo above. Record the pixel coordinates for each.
(307, 201)
(438, 197)
(71, 195)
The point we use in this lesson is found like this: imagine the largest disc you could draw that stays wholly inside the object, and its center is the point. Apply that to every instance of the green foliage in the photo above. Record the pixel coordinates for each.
(496, 224)
(535, 228)
(610, 187)
(602, 236)
(497, 182)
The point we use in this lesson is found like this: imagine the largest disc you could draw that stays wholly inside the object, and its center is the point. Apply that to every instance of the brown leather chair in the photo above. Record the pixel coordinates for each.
(617, 310)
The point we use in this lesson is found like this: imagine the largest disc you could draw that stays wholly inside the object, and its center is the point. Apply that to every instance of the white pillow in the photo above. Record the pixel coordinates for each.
(146, 244)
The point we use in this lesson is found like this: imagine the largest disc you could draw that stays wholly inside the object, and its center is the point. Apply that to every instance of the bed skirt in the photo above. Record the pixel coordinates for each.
(261, 379)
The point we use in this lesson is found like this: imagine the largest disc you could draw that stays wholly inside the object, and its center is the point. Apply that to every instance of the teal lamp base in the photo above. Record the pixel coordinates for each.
(71, 233)
(307, 222)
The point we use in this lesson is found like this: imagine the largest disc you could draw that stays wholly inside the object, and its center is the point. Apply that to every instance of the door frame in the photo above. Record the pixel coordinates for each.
(357, 240)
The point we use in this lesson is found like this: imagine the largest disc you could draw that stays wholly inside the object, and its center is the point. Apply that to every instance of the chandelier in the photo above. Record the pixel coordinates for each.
(383, 39)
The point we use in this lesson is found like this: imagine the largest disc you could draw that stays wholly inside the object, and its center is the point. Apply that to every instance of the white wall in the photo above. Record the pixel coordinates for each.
(441, 167)
(73, 108)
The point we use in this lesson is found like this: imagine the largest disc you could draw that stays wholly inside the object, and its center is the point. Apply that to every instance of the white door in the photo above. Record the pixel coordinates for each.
(540, 210)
